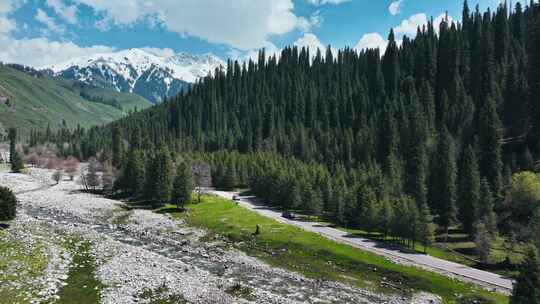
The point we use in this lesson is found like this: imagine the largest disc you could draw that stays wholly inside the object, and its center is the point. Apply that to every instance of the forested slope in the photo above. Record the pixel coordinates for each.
(36, 101)
(436, 126)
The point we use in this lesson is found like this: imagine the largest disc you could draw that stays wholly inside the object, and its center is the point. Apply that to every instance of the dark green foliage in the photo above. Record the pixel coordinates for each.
(469, 190)
(8, 204)
(527, 287)
(117, 147)
(490, 146)
(133, 174)
(425, 227)
(485, 213)
(182, 185)
(357, 136)
(17, 164)
(534, 68)
(12, 136)
(443, 191)
(158, 181)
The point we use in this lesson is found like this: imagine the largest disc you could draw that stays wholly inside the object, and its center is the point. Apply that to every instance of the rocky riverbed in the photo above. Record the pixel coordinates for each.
(141, 256)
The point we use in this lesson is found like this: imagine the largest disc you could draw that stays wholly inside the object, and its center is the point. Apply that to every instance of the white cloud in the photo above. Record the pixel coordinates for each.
(372, 41)
(166, 52)
(42, 17)
(6, 25)
(409, 26)
(7, 6)
(316, 20)
(323, 2)
(310, 41)
(395, 7)
(66, 12)
(243, 24)
(406, 27)
(38, 51)
(42, 51)
(253, 54)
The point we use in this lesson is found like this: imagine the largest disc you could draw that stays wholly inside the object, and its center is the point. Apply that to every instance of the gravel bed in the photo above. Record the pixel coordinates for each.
(148, 252)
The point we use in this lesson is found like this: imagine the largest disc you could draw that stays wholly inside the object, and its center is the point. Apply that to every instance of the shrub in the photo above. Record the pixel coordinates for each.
(8, 204)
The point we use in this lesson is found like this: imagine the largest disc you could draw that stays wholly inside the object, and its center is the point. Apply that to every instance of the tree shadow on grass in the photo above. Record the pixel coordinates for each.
(384, 244)
(170, 210)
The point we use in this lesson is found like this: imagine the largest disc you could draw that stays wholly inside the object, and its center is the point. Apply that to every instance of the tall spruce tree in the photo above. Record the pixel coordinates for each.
(117, 147)
(443, 196)
(469, 190)
(490, 147)
(527, 287)
(182, 185)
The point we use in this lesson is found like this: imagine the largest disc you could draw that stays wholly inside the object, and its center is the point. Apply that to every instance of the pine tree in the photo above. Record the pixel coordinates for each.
(391, 69)
(425, 227)
(534, 72)
(527, 286)
(482, 241)
(12, 136)
(490, 147)
(117, 147)
(133, 174)
(368, 210)
(8, 204)
(182, 185)
(229, 178)
(469, 190)
(535, 228)
(443, 196)
(162, 176)
(486, 213)
(17, 164)
(386, 217)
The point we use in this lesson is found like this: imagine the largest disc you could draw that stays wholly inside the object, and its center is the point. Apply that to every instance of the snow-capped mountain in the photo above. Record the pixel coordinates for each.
(139, 71)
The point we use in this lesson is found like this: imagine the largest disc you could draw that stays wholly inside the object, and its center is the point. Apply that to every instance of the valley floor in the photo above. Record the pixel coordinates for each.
(448, 268)
(71, 247)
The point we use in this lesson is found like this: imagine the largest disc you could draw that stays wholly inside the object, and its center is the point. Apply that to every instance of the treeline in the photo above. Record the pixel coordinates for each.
(111, 101)
(351, 198)
(443, 120)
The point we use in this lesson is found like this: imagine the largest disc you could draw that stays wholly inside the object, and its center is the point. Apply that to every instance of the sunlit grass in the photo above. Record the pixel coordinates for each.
(291, 248)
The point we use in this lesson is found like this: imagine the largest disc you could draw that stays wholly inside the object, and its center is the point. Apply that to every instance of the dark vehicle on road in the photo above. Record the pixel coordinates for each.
(288, 215)
(235, 198)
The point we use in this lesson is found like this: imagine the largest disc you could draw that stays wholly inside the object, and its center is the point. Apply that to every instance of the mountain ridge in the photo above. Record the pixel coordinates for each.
(147, 73)
(30, 99)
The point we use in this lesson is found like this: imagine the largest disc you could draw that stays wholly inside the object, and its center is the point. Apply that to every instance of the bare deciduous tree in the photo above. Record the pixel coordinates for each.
(57, 175)
(71, 166)
(107, 178)
(92, 177)
(32, 159)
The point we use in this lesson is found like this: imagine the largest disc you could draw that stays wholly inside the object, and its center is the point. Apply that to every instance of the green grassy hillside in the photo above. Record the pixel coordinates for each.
(35, 102)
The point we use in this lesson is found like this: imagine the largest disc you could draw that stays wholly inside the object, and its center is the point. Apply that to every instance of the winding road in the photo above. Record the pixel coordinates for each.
(462, 272)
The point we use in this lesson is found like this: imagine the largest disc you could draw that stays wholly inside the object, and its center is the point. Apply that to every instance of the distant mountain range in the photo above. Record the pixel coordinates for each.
(145, 73)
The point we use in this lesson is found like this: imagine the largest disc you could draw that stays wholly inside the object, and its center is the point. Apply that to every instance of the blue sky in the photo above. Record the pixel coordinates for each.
(43, 32)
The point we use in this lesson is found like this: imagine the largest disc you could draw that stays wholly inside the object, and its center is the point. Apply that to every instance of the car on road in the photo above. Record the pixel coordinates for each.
(288, 215)
(235, 198)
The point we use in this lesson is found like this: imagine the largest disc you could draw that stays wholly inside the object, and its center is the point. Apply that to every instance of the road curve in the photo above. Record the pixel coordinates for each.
(462, 272)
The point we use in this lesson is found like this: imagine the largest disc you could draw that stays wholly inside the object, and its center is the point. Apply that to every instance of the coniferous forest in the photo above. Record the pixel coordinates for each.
(432, 131)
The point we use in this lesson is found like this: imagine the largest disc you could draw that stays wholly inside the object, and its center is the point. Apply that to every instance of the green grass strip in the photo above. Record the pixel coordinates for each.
(292, 248)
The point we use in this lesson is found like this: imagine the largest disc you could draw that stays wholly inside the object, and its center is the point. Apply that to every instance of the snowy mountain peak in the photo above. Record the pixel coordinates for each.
(184, 66)
(150, 73)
